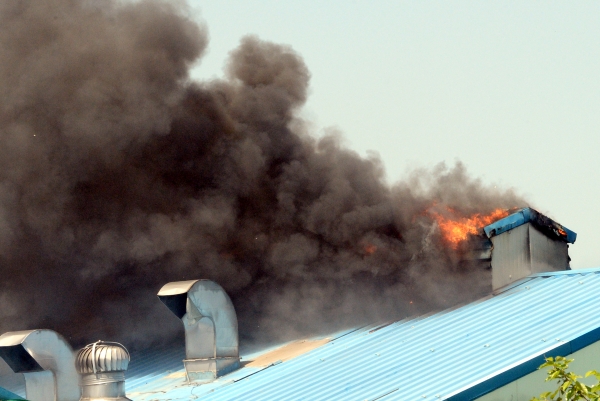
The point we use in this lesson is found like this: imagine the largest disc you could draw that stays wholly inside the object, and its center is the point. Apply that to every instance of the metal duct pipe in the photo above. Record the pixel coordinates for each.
(102, 367)
(211, 327)
(47, 362)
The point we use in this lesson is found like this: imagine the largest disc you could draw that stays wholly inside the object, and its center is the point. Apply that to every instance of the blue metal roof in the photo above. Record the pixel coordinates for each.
(527, 215)
(457, 354)
(7, 395)
(12, 383)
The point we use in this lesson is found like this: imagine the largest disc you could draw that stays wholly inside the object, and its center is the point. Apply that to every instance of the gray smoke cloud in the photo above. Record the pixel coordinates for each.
(119, 174)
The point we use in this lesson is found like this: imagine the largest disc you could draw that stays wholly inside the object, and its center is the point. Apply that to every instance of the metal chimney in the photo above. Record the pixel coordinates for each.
(102, 367)
(211, 327)
(527, 242)
(47, 362)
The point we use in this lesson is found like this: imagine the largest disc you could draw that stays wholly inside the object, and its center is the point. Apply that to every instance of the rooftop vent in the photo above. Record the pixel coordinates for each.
(211, 327)
(47, 362)
(102, 367)
(527, 242)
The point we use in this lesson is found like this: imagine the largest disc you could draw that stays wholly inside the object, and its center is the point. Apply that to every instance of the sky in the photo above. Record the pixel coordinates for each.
(511, 89)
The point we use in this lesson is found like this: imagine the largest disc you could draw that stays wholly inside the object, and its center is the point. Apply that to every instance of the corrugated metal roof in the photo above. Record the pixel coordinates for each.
(456, 354)
(7, 395)
(13, 383)
(147, 366)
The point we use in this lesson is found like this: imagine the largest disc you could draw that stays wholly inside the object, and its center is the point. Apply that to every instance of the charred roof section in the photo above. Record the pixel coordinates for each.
(543, 223)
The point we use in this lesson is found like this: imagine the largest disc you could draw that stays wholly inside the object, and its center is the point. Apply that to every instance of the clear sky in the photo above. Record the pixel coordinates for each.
(512, 89)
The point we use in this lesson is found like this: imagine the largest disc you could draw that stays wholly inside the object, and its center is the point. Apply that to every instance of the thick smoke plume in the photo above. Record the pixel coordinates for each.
(119, 174)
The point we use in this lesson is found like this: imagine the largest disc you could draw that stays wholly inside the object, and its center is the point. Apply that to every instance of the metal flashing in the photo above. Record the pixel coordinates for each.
(510, 286)
(570, 272)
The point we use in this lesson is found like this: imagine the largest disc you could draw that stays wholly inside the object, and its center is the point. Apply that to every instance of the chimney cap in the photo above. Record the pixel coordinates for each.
(545, 224)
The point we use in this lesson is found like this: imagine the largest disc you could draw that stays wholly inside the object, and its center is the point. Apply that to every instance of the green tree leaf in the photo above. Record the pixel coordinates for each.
(569, 387)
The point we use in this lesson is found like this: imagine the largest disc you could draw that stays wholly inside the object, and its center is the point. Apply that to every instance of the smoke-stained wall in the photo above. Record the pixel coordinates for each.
(119, 174)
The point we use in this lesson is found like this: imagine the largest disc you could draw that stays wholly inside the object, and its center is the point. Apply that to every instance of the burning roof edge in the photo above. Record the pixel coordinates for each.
(529, 215)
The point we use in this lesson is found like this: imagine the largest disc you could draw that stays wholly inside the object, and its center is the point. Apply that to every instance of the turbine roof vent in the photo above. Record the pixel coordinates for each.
(101, 357)
(102, 367)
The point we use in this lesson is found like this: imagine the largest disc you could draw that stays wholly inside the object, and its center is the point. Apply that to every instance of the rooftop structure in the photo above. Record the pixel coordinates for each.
(486, 350)
(458, 354)
(524, 243)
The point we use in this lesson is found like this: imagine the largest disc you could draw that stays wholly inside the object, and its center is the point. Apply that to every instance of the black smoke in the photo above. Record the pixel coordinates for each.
(118, 174)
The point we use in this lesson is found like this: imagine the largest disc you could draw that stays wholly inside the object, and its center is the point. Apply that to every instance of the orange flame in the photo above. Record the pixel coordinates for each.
(370, 249)
(456, 230)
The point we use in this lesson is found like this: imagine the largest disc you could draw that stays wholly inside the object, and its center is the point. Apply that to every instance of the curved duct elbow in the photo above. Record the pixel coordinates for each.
(47, 362)
(211, 327)
(102, 367)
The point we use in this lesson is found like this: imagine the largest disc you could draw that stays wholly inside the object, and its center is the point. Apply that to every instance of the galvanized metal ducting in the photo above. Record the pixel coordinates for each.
(102, 367)
(211, 327)
(47, 362)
